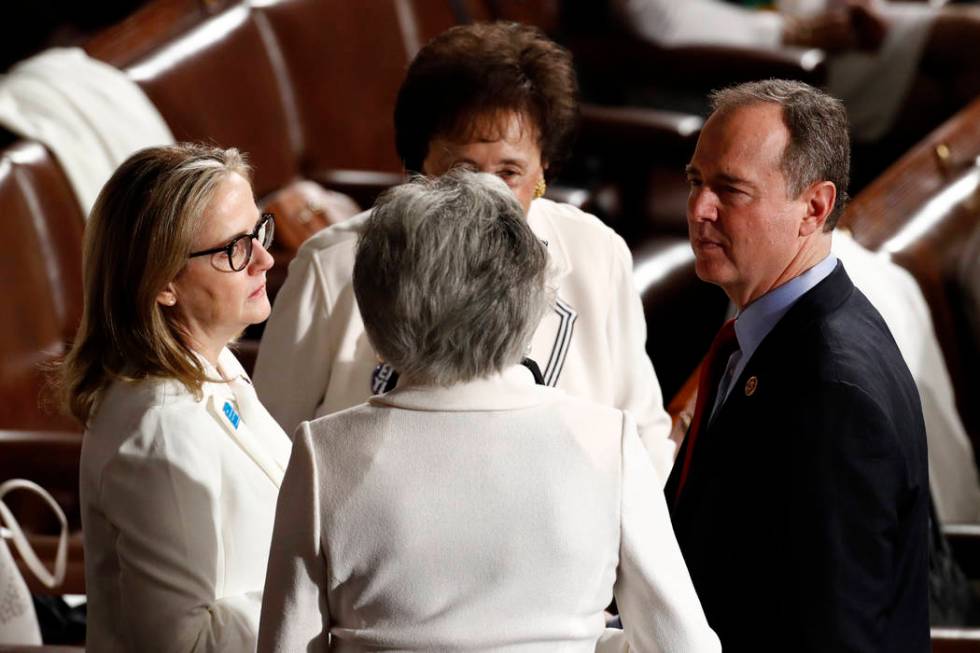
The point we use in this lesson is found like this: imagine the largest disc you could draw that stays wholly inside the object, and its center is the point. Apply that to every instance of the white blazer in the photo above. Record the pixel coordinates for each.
(492, 515)
(178, 497)
(315, 358)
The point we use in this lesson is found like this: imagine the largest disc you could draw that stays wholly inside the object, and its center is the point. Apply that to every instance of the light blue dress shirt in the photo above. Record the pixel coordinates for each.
(755, 321)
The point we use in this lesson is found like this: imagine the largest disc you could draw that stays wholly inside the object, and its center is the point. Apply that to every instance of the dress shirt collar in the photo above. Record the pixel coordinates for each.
(512, 388)
(756, 320)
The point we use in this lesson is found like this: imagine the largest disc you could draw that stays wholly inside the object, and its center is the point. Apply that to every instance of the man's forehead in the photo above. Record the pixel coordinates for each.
(742, 142)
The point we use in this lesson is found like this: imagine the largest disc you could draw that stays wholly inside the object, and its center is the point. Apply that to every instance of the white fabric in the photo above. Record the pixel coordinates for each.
(492, 515)
(872, 85)
(892, 290)
(18, 622)
(315, 358)
(89, 114)
(177, 512)
(49, 579)
(695, 22)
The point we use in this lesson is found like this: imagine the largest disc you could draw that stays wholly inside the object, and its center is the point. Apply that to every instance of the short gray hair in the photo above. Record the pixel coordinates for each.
(449, 278)
(819, 146)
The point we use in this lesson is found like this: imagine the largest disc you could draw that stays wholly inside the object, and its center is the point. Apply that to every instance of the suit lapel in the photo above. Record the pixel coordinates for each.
(224, 410)
(242, 418)
(771, 353)
(553, 337)
(734, 418)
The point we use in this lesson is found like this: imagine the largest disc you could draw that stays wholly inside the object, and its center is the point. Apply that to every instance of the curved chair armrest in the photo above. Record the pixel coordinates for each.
(730, 64)
(964, 540)
(613, 128)
(954, 640)
(363, 186)
(634, 61)
(49, 458)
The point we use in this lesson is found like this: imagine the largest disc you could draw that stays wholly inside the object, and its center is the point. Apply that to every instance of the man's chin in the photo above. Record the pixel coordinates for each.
(712, 271)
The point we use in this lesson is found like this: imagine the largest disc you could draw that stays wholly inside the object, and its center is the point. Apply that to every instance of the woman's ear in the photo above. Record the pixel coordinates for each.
(167, 296)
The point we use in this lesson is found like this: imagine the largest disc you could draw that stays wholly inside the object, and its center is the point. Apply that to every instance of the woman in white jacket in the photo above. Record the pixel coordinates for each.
(181, 464)
(497, 98)
(469, 508)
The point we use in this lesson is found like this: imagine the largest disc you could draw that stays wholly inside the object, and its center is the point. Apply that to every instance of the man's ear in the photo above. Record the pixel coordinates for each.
(820, 198)
(167, 296)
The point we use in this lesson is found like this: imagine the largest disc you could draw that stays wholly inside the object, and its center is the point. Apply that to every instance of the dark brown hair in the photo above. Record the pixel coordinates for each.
(483, 70)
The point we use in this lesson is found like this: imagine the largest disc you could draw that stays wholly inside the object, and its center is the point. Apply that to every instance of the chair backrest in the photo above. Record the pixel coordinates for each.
(221, 81)
(682, 312)
(925, 211)
(344, 62)
(40, 274)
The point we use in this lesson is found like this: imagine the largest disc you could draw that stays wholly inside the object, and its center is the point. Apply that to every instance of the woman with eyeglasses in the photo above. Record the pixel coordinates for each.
(181, 464)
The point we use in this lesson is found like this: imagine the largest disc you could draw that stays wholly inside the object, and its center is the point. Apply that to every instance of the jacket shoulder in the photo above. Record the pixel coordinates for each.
(143, 414)
(568, 219)
(343, 234)
(578, 236)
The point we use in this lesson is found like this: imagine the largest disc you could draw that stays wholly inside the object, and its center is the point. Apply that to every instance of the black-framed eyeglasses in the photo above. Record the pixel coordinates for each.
(238, 251)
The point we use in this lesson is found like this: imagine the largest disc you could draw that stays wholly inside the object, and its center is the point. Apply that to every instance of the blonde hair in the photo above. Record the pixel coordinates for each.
(136, 242)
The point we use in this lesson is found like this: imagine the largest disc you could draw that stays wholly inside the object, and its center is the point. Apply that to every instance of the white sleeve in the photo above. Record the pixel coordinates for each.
(656, 599)
(896, 295)
(953, 476)
(295, 614)
(162, 493)
(638, 389)
(294, 361)
(700, 22)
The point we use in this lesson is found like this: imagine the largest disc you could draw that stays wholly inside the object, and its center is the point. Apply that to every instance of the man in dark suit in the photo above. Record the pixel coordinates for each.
(800, 495)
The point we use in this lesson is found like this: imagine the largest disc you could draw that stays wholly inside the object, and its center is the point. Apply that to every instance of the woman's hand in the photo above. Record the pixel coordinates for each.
(683, 421)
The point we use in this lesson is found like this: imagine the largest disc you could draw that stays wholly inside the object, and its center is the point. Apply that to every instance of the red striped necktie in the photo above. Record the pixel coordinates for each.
(712, 368)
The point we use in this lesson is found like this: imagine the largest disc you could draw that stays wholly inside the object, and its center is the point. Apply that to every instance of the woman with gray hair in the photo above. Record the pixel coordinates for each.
(469, 508)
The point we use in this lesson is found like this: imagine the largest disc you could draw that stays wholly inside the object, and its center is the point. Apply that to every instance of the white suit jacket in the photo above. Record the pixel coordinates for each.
(492, 515)
(315, 358)
(178, 498)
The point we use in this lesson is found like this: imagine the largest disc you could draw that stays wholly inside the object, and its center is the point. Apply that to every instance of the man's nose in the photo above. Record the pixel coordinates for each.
(702, 205)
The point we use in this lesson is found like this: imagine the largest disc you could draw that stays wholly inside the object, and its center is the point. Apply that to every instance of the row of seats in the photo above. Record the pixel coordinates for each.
(307, 89)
